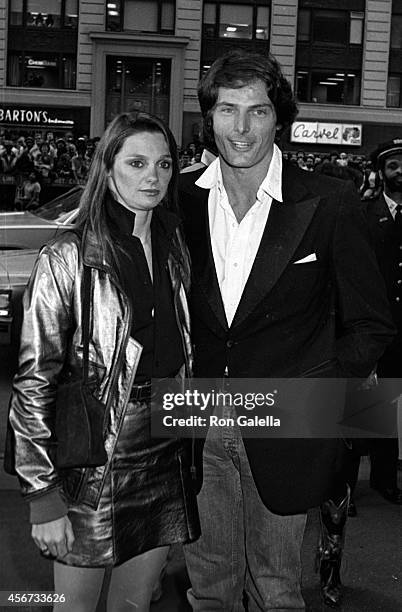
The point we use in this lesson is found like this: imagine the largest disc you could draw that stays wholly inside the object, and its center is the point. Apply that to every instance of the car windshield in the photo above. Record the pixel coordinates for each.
(57, 210)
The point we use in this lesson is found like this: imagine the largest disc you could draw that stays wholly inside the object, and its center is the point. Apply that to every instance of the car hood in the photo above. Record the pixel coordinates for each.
(22, 219)
(16, 266)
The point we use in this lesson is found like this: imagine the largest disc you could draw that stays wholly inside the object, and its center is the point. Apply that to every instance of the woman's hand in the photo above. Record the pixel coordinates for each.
(54, 538)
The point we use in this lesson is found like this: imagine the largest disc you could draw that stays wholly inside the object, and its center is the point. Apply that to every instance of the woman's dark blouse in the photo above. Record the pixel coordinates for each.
(154, 323)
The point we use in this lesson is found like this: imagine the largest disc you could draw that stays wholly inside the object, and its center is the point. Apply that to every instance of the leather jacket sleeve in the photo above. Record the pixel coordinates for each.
(46, 329)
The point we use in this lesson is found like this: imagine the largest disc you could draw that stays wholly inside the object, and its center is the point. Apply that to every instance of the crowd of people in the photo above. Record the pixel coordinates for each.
(66, 160)
(348, 166)
(30, 162)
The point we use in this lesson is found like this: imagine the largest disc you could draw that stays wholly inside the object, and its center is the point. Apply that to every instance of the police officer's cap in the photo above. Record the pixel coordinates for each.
(385, 149)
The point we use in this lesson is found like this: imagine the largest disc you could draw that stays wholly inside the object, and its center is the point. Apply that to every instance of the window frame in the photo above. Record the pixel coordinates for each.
(255, 5)
(399, 15)
(22, 55)
(397, 75)
(62, 16)
(312, 42)
(159, 29)
(395, 55)
(310, 72)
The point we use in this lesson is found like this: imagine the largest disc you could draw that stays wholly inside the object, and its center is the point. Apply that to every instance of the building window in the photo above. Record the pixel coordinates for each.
(304, 25)
(328, 87)
(70, 14)
(44, 13)
(236, 21)
(324, 76)
(356, 28)
(396, 32)
(394, 91)
(113, 15)
(209, 20)
(41, 70)
(330, 27)
(156, 16)
(262, 25)
(16, 11)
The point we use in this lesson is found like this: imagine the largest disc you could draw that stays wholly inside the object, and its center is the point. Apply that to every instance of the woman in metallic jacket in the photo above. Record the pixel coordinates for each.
(124, 514)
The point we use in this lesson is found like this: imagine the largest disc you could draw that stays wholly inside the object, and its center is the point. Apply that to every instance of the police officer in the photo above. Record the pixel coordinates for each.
(384, 216)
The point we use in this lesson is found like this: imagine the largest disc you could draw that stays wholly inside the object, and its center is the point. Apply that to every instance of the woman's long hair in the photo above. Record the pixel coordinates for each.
(92, 213)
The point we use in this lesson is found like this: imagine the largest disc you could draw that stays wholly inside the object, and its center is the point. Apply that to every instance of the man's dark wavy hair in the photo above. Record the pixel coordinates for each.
(236, 69)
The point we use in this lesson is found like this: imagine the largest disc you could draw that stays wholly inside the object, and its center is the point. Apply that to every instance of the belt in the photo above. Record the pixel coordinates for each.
(141, 392)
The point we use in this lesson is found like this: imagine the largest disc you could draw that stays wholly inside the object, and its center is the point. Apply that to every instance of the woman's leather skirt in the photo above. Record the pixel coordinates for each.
(148, 499)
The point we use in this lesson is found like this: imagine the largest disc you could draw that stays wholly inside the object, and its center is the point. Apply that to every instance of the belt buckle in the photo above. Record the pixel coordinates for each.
(140, 392)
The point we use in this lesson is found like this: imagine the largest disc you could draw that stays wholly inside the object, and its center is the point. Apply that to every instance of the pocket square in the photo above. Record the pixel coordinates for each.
(307, 259)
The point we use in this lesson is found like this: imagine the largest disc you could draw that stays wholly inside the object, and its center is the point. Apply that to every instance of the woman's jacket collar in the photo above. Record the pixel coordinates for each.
(92, 255)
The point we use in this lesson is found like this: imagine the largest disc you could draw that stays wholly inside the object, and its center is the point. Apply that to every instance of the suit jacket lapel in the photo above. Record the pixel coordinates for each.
(286, 225)
(202, 257)
(209, 281)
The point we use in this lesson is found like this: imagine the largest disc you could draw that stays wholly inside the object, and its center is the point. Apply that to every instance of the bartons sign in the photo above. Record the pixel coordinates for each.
(326, 133)
(38, 117)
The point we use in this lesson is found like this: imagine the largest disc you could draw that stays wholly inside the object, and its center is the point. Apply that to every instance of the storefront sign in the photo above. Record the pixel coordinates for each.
(32, 63)
(36, 117)
(326, 133)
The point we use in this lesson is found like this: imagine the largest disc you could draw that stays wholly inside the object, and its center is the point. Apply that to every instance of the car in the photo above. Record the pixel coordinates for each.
(21, 237)
(32, 229)
(15, 269)
(22, 234)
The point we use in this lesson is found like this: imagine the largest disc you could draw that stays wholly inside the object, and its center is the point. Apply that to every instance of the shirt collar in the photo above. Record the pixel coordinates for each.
(122, 219)
(207, 157)
(271, 185)
(392, 205)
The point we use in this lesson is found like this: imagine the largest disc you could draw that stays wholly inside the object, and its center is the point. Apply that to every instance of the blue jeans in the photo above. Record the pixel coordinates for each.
(244, 548)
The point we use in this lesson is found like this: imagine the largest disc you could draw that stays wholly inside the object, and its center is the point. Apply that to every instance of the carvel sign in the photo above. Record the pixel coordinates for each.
(326, 133)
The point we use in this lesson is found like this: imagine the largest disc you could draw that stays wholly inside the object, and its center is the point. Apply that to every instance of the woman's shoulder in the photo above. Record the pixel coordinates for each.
(65, 247)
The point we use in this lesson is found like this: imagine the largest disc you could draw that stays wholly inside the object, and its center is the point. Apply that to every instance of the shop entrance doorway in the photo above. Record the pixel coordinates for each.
(137, 83)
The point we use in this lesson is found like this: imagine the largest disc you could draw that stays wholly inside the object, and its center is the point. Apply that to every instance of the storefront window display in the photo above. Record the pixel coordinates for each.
(41, 70)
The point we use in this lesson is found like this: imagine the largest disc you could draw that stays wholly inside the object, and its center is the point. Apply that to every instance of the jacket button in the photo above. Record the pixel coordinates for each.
(229, 343)
(397, 299)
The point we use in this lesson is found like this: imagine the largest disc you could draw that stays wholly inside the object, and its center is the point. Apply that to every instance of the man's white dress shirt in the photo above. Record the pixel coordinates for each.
(392, 205)
(234, 244)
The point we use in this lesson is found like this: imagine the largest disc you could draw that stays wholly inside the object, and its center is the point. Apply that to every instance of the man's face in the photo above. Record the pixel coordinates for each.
(244, 124)
(392, 173)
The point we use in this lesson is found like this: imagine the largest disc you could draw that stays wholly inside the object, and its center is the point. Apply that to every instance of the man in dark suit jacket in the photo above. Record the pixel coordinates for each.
(285, 284)
(385, 224)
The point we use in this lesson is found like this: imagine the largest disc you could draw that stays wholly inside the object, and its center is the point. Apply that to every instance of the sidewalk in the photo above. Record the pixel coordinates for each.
(372, 568)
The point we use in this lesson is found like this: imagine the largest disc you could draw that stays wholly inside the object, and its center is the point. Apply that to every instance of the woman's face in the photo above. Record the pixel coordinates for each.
(141, 171)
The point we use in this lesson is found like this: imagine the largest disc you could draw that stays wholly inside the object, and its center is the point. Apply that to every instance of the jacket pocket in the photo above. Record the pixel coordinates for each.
(73, 483)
